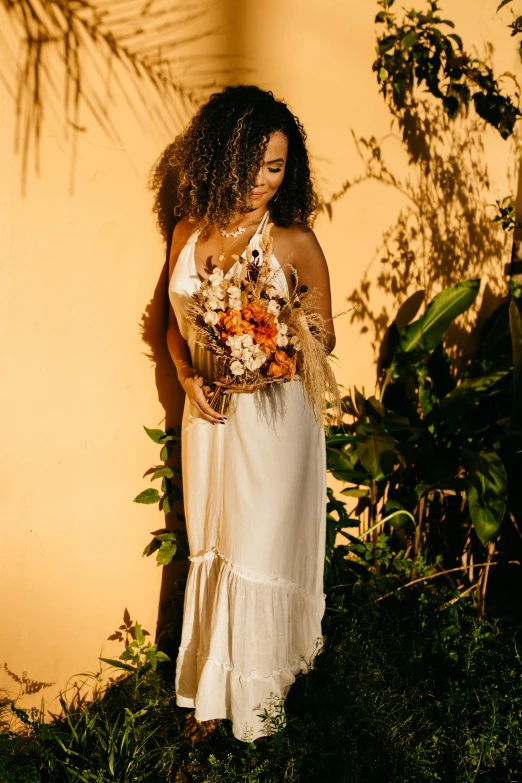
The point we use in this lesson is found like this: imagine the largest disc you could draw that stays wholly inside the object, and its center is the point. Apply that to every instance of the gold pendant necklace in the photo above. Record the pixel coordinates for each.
(235, 234)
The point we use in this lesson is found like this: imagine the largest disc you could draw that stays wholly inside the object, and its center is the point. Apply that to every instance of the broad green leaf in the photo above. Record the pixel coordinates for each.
(472, 388)
(166, 451)
(166, 472)
(376, 450)
(487, 489)
(448, 482)
(148, 496)
(401, 520)
(166, 552)
(356, 492)
(161, 656)
(421, 337)
(169, 536)
(339, 440)
(515, 325)
(156, 435)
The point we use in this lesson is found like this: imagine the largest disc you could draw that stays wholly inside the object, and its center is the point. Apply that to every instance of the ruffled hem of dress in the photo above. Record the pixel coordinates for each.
(245, 638)
(242, 699)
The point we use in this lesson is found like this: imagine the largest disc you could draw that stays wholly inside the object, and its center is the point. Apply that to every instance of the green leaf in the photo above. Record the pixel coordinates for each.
(139, 634)
(148, 496)
(340, 439)
(165, 451)
(152, 547)
(515, 325)
(401, 520)
(165, 506)
(118, 664)
(472, 388)
(161, 472)
(386, 43)
(457, 39)
(409, 40)
(376, 450)
(421, 337)
(169, 536)
(486, 488)
(156, 435)
(166, 552)
(161, 656)
(356, 492)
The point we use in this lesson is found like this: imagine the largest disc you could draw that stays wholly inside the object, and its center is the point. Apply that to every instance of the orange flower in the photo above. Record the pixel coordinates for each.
(266, 337)
(282, 366)
(247, 327)
(231, 321)
(254, 312)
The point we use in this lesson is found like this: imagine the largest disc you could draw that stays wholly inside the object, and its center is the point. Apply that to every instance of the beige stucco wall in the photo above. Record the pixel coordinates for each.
(81, 310)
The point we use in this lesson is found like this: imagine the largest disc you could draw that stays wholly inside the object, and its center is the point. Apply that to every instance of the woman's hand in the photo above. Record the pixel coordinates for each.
(197, 391)
(230, 387)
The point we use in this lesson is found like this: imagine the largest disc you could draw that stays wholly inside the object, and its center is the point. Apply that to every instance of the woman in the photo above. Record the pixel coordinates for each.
(254, 480)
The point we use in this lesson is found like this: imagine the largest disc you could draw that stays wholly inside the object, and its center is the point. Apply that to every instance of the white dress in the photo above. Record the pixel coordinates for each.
(255, 504)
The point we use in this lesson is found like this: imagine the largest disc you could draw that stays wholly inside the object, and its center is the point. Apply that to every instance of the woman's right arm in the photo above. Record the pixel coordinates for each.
(191, 380)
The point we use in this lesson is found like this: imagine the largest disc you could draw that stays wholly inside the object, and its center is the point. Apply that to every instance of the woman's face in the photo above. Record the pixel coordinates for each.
(271, 173)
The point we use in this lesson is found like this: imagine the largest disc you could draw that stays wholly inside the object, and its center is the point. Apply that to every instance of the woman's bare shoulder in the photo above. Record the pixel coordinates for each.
(183, 229)
(180, 236)
(297, 243)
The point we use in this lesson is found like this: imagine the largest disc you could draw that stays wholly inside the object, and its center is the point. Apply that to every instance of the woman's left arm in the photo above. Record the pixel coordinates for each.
(306, 255)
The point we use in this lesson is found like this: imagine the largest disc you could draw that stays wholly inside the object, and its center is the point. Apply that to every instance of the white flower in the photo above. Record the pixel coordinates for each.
(211, 317)
(234, 340)
(236, 368)
(234, 291)
(214, 303)
(257, 360)
(234, 304)
(296, 342)
(271, 291)
(246, 340)
(216, 277)
(246, 353)
(274, 307)
(282, 339)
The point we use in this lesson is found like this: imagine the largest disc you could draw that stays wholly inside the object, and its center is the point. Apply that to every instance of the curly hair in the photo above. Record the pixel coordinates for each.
(209, 170)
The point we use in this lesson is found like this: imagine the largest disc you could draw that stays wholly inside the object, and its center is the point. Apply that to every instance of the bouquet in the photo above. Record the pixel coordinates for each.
(260, 336)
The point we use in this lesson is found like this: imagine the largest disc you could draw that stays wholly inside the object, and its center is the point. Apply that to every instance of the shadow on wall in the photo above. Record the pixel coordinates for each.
(442, 235)
(171, 397)
(100, 55)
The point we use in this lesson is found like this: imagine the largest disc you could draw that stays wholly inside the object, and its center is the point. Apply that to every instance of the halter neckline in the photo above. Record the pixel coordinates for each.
(259, 230)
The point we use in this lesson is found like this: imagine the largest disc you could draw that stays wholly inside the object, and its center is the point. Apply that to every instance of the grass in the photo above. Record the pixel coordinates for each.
(405, 691)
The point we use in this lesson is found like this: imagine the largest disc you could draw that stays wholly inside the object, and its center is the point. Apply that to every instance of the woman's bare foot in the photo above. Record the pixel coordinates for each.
(197, 730)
